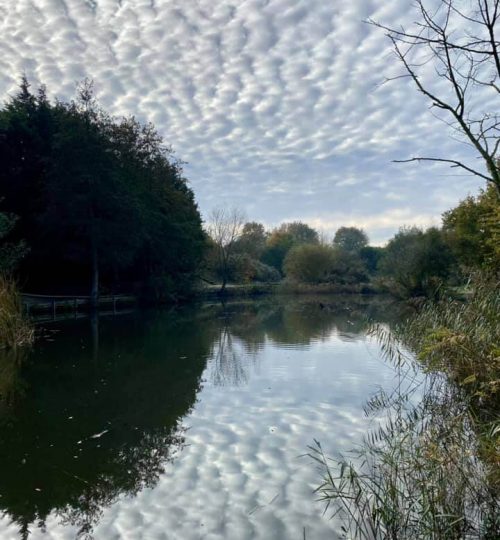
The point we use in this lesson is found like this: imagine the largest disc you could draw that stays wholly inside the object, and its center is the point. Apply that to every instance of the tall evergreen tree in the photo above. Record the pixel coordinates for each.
(99, 200)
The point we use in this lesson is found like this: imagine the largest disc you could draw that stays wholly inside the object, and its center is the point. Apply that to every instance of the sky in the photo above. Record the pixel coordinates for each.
(278, 107)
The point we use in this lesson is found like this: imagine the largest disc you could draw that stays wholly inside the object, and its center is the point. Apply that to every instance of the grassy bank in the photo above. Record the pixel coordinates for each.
(461, 339)
(210, 292)
(284, 288)
(291, 287)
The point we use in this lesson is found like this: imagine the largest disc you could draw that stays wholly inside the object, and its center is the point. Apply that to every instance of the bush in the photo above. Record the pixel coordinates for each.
(245, 269)
(416, 262)
(347, 268)
(309, 263)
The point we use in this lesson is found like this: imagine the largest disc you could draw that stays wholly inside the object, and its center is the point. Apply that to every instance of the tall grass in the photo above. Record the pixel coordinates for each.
(15, 329)
(430, 469)
(462, 340)
(415, 477)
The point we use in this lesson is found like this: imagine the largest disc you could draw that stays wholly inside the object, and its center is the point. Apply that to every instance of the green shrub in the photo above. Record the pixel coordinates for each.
(416, 262)
(309, 263)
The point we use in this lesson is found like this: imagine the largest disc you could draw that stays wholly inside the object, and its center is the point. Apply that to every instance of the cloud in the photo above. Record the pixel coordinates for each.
(377, 224)
(260, 97)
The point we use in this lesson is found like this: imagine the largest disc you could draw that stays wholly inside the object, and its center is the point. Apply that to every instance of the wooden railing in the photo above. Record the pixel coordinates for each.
(68, 303)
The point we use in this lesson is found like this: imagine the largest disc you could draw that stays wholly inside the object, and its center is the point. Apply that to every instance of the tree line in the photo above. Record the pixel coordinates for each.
(92, 203)
(414, 262)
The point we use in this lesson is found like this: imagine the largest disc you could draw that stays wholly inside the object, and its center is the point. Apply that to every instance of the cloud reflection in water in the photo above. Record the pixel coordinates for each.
(277, 377)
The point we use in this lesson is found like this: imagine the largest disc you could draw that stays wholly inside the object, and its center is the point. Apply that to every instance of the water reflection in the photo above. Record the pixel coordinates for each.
(245, 327)
(12, 385)
(100, 417)
(302, 320)
(97, 411)
(228, 369)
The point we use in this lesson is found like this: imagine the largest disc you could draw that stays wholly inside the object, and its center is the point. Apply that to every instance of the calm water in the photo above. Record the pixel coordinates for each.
(185, 425)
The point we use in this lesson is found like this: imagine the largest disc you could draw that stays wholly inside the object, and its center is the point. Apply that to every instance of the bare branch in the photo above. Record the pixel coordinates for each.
(452, 161)
(465, 52)
(224, 228)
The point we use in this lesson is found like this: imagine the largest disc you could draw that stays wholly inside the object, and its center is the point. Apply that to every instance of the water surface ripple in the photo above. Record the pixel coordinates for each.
(188, 424)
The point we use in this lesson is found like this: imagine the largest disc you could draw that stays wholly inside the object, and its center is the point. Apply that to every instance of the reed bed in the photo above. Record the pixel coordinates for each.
(430, 467)
(15, 329)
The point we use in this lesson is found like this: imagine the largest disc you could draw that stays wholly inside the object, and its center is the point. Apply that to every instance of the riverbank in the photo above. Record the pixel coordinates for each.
(283, 288)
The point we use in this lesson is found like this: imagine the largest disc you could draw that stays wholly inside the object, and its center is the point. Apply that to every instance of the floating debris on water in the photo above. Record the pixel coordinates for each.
(98, 435)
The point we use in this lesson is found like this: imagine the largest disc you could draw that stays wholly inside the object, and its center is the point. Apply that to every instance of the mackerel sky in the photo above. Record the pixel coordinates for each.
(277, 106)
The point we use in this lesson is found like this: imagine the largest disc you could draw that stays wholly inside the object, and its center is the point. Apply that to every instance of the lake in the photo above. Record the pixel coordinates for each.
(186, 424)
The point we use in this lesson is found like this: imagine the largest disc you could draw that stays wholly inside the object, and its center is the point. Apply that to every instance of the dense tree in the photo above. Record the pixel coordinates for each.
(320, 263)
(26, 134)
(252, 240)
(88, 194)
(11, 253)
(416, 261)
(278, 245)
(282, 239)
(316, 263)
(99, 200)
(473, 230)
(309, 263)
(301, 233)
(371, 255)
(350, 239)
(347, 268)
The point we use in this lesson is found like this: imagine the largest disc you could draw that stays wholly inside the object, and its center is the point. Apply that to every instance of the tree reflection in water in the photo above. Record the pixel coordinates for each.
(12, 385)
(81, 427)
(288, 321)
(97, 413)
(228, 368)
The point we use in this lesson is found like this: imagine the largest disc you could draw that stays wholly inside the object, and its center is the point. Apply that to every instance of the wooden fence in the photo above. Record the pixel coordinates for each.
(40, 303)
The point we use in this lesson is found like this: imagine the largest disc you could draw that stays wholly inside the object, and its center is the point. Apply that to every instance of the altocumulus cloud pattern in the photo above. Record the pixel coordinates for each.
(277, 106)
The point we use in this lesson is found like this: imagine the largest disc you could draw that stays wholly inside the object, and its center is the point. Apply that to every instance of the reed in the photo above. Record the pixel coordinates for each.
(430, 467)
(15, 329)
